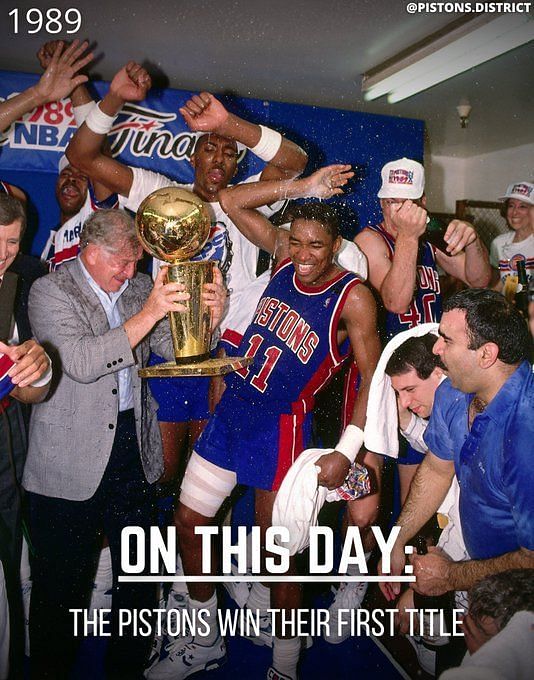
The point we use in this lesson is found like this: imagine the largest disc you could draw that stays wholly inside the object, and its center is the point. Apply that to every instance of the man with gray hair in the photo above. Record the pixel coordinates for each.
(498, 629)
(94, 447)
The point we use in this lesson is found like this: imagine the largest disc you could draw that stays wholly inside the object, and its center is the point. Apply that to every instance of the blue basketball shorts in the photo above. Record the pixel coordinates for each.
(179, 399)
(255, 443)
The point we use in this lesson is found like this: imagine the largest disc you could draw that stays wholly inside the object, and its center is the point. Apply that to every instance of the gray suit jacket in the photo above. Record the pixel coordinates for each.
(71, 434)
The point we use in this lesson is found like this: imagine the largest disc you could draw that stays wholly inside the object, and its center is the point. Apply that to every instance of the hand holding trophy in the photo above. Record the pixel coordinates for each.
(173, 225)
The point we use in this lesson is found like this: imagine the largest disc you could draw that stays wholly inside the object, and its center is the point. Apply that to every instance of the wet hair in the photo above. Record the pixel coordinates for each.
(318, 212)
(415, 353)
(489, 317)
(500, 596)
(110, 229)
(12, 210)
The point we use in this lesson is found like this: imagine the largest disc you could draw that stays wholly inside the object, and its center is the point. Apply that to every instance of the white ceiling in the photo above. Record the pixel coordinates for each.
(300, 51)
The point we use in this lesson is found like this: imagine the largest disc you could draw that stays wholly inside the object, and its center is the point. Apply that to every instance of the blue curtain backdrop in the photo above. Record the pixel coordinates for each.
(153, 135)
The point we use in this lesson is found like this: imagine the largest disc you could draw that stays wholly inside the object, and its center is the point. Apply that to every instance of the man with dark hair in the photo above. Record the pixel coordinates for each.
(311, 316)
(183, 404)
(415, 373)
(415, 354)
(318, 212)
(76, 196)
(482, 427)
(29, 379)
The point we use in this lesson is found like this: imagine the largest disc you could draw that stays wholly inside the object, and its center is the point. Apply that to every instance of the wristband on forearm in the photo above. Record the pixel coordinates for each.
(81, 112)
(98, 121)
(269, 144)
(351, 442)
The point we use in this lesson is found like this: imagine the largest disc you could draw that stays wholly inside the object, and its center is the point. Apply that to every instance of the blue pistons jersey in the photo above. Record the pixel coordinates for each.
(293, 339)
(426, 303)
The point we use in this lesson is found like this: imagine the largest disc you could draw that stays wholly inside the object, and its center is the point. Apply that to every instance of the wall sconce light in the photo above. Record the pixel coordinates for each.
(464, 109)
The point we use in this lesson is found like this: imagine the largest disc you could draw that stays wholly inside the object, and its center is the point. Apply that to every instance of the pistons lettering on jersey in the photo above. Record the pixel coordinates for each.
(289, 327)
(427, 278)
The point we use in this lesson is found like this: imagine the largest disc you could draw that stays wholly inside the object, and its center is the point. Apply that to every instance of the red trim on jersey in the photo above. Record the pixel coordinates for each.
(291, 442)
(316, 290)
(337, 357)
(65, 255)
(281, 265)
(385, 236)
(290, 446)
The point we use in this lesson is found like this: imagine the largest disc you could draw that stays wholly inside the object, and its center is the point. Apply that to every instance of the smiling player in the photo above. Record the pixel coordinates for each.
(309, 319)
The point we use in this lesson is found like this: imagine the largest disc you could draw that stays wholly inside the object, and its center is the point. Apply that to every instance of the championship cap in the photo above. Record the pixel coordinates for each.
(403, 178)
(522, 191)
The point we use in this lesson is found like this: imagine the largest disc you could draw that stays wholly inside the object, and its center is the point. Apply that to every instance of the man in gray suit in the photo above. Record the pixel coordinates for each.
(94, 447)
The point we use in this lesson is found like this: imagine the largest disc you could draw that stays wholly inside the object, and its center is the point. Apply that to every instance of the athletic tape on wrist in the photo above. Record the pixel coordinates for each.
(98, 121)
(267, 147)
(81, 112)
(351, 442)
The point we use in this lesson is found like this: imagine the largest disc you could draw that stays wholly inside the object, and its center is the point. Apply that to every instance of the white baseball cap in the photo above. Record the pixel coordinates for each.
(522, 191)
(403, 178)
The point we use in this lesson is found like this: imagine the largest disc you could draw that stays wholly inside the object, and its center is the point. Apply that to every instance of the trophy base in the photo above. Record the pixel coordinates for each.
(219, 366)
(199, 358)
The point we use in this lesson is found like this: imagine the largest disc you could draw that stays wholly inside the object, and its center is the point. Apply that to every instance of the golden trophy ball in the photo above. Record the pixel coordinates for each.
(173, 225)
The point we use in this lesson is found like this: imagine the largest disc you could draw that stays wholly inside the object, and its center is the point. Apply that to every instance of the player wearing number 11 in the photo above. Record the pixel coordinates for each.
(312, 316)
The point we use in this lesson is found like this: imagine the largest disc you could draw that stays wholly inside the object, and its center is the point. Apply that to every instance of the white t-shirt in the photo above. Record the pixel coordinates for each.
(505, 252)
(237, 255)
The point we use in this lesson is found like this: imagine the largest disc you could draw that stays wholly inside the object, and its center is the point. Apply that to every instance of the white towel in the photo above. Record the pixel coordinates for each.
(300, 499)
(381, 426)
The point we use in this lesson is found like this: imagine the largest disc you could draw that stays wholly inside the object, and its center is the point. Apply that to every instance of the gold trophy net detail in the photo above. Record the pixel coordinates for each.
(173, 225)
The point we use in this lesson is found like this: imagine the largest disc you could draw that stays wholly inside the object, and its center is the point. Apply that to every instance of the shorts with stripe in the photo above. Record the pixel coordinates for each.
(258, 445)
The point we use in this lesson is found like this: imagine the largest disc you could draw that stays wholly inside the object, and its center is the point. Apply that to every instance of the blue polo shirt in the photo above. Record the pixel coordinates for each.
(494, 462)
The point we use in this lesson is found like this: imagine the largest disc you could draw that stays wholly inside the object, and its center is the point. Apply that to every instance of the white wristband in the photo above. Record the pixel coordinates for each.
(99, 122)
(267, 147)
(81, 112)
(351, 442)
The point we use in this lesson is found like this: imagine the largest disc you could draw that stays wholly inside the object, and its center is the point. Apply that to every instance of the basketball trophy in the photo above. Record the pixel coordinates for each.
(173, 225)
